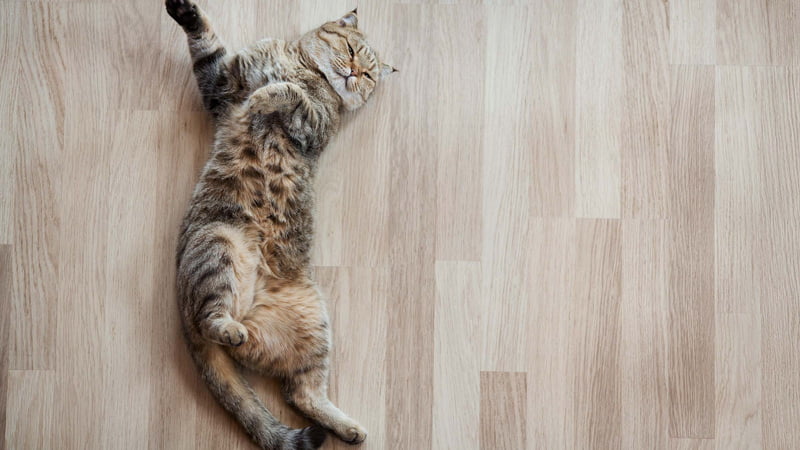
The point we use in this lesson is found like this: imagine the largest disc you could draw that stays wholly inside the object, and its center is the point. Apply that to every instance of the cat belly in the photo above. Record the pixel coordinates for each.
(287, 326)
(245, 260)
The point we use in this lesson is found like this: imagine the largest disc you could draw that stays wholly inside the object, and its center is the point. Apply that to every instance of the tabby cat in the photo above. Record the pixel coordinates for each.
(245, 294)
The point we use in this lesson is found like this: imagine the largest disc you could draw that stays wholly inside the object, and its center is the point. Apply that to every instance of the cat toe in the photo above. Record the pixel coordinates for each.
(354, 435)
(183, 11)
(235, 334)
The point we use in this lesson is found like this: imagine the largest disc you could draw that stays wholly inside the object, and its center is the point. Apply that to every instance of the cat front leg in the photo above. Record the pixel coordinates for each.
(206, 49)
(282, 97)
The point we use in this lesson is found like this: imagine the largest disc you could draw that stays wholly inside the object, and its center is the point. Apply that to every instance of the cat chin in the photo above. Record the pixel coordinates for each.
(350, 100)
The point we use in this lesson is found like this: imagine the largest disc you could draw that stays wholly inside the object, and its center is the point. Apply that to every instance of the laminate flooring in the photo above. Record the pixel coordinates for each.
(563, 224)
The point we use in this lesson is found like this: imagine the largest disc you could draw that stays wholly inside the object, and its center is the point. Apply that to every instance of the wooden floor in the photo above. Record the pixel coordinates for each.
(566, 224)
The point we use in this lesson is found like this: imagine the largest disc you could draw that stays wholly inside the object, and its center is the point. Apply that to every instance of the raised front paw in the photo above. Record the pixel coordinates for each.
(185, 13)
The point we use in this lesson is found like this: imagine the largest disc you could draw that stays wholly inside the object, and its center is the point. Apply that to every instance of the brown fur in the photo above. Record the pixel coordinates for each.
(244, 288)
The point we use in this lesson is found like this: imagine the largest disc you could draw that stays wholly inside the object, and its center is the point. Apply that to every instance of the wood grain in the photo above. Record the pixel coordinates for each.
(457, 382)
(691, 444)
(30, 409)
(598, 108)
(593, 368)
(547, 102)
(751, 32)
(459, 120)
(779, 268)
(412, 247)
(691, 253)
(9, 73)
(692, 31)
(181, 148)
(561, 224)
(551, 262)
(84, 236)
(503, 414)
(5, 316)
(644, 137)
(130, 275)
(643, 347)
(38, 120)
(738, 376)
(738, 290)
(506, 194)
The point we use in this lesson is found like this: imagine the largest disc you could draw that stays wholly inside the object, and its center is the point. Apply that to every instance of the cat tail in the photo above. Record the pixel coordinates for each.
(229, 387)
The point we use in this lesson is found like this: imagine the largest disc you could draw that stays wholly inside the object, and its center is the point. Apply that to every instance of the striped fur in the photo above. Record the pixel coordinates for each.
(245, 294)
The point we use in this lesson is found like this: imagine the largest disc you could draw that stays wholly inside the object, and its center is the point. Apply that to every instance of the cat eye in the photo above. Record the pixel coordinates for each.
(367, 75)
(350, 49)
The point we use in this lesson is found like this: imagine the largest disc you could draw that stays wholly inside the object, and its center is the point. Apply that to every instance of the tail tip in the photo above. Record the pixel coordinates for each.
(311, 438)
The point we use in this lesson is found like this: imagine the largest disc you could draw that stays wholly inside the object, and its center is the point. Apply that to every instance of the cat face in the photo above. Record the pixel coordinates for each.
(342, 53)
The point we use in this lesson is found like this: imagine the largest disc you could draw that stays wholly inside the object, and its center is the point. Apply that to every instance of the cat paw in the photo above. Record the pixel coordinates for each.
(354, 435)
(185, 13)
(274, 97)
(233, 333)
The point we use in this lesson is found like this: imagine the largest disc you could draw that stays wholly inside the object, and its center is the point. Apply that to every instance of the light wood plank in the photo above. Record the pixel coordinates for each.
(752, 32)
(644, 138)
(110, 39)
(6, 267)
(506, 202)
(412, 247)
(551, 263)
(780, 391)
(83, 240)
(691, 253)
(38, 129)
(738, 376)
(451, 225)
(10, 28)
(739, 138)
(457, 382)
(30, 409)
(503, 410)
(691, 444)
(130, 283)
(738, 292)
(182, 146)
(593, 370)
(549, 100)
(598, 108)
(459, 124)
(692, 31)
(645, 399)
(777, 91)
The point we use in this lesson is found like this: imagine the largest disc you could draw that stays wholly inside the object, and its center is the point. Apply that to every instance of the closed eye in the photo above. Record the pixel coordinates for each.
(368, 75)
(350, 49)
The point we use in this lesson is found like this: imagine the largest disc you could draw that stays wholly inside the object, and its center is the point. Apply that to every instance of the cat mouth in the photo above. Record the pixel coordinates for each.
(350, 82)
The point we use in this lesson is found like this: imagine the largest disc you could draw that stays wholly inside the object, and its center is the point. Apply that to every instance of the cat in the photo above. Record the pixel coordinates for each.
(245, 293)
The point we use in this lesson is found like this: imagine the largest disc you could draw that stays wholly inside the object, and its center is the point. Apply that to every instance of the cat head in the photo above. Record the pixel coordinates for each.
(340, 51)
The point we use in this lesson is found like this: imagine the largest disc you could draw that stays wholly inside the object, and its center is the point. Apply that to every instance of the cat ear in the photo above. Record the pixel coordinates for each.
(349, 20)
(386, 69)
